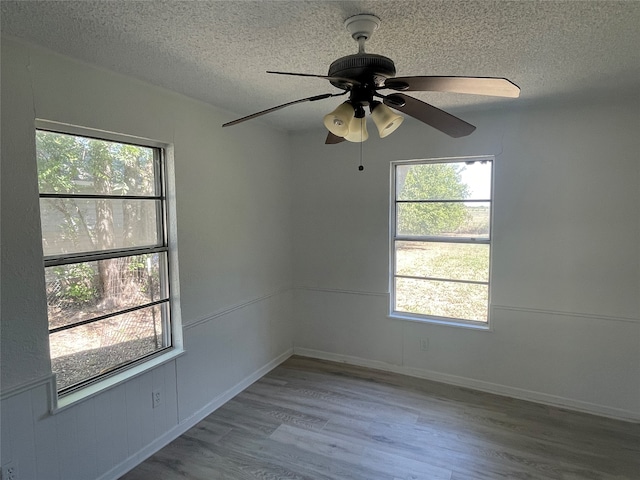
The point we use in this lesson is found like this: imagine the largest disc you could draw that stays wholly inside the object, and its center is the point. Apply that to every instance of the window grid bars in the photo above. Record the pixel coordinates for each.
(96, 196)
(111, 371)
(431, 239)
(83, 257)
(68, 259)
(107, 315)
(445, 200)
(438, 279)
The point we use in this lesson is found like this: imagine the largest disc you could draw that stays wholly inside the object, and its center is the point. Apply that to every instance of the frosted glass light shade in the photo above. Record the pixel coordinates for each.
(337, 122)
(357, 130)
(385, 119)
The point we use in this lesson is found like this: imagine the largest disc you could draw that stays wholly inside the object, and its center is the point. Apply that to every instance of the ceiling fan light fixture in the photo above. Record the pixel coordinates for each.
(361, 75)
(337, 122)
(357, 130)
(385, 119)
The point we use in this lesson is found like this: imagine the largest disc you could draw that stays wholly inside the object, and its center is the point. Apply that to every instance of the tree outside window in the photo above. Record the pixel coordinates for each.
(102, 216)
(441, 239)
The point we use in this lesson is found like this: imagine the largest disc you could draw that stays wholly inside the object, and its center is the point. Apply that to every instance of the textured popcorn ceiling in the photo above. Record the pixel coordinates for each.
(218, 51)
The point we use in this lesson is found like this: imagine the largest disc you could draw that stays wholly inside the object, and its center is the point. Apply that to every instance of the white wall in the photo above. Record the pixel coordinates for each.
(234, 237)
(566, 256)
(566, 265)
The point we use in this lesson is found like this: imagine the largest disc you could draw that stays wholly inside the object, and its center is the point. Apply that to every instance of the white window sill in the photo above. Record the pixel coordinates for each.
(483, 327)
(58, 404)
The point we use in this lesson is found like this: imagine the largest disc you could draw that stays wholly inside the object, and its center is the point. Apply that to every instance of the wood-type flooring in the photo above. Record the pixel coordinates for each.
(313, 419)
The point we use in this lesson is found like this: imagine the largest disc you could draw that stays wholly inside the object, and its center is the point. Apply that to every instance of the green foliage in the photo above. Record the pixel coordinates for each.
(437, 181)
(77, 284)
(59, 162)
(135, 264)
(69, 165)
(73, 164)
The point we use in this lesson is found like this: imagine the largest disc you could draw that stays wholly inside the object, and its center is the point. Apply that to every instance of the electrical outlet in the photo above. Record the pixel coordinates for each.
(155, 399)
(424, 344)
(9, 471)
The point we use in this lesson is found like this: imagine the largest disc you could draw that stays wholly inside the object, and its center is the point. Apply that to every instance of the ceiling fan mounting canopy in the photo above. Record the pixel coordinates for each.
(362, 26)
(363, 74)
(367, 69)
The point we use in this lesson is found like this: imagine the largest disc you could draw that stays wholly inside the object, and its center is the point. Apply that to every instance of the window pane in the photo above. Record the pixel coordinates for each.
(444, 181)
(443, 219)
(456, 261)
(465, 301)
(80, 165)
(81, 291)
(83, 352)
(76, 225)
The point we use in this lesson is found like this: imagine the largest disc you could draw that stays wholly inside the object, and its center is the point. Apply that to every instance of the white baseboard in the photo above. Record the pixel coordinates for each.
(160, 442)
(514, 392)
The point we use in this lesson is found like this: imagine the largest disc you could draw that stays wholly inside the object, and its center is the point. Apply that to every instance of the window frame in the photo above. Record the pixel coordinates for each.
(165, 244)
(393, 238)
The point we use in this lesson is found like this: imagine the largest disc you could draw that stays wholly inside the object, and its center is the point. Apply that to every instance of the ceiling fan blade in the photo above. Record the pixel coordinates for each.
(438, 119)
(273, 109)
(333, 139)
(348, 81)
(497, 87)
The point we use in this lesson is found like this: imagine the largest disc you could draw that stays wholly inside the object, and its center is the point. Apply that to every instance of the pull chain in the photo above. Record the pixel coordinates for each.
(361, 167)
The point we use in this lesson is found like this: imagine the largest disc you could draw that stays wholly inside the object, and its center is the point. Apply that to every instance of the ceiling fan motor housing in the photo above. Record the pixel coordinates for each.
(362, 74)
(366, 68)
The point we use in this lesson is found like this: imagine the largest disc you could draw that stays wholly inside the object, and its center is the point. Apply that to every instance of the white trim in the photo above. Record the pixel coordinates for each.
(232, 308)
(71, 129)
(160, 442)
(482, 326)
(58, 404)
(540, 311)
(514, 392)
(393, 238)
(479, 326)
(46, 380)
(166, 180)
(464, 158)
(171, 226)
(342, 292)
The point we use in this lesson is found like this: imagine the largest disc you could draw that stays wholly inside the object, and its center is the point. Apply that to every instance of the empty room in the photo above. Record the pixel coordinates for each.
(368, 240)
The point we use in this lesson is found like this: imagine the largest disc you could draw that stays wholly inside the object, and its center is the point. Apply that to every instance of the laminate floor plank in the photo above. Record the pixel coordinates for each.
(317, 420)
(442, 451)
(359, 454)
(336, 405)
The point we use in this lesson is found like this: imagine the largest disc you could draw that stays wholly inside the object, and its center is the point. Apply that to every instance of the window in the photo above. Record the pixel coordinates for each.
(441, 240)
(106, 257)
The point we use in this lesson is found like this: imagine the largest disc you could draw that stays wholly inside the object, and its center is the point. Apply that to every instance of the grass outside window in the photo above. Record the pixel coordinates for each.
(441, 239)
(103, 218)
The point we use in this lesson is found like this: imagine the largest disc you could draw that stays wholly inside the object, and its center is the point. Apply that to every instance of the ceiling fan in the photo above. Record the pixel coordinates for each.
(363, 75)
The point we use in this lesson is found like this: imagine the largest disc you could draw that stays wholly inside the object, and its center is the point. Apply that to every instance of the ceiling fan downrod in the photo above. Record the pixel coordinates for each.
(362, 75)
(367, 70)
